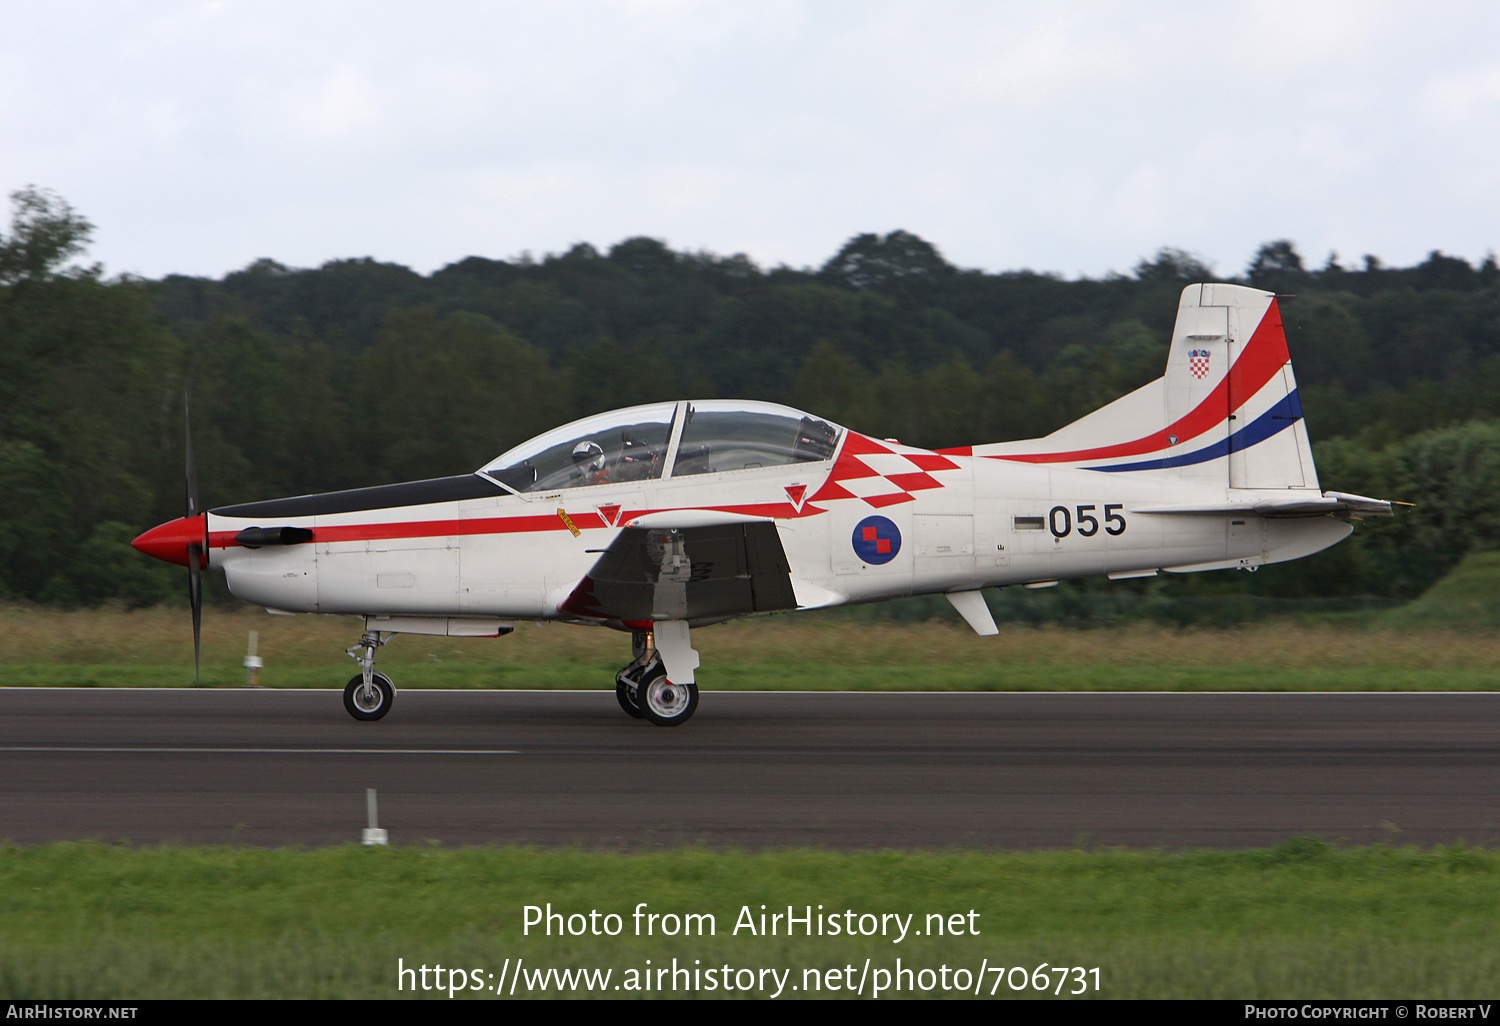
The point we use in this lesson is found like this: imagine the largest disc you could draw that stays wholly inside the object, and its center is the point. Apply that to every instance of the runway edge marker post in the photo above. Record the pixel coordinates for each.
(372, 834)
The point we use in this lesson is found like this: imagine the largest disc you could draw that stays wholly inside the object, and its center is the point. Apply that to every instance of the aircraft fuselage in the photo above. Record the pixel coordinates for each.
(961, 524)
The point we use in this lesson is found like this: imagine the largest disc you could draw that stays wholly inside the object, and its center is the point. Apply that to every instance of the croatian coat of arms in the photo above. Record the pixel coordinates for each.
(1198, 362)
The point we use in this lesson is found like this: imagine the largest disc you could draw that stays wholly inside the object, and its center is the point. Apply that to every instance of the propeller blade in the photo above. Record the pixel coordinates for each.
(194, 549)
(192, 466)
(195, 596)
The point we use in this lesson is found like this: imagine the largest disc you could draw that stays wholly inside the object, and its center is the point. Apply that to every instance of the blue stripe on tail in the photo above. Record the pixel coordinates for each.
(1275, 420)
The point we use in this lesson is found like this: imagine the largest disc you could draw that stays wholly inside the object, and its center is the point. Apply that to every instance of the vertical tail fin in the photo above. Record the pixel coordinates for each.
(1229, 371)
(1226, 412)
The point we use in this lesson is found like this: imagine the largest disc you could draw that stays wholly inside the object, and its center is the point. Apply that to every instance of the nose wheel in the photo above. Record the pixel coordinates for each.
(369, 700)
(368, 695)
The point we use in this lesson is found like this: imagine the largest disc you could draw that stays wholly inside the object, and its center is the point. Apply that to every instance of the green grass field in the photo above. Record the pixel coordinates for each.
(1468, 597)
(1299, 921)
(153, 648)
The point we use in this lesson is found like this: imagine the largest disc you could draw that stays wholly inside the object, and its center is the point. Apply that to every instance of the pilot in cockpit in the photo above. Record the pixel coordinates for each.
(589, 460)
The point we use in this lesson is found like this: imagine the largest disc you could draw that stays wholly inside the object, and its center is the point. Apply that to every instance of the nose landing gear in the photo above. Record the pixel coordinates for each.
(368, 695)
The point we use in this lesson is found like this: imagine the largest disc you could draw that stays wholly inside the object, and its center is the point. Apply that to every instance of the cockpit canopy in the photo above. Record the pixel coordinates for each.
(646, 443)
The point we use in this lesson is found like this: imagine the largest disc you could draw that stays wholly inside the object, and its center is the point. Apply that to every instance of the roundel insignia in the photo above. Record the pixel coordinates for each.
(876, 540)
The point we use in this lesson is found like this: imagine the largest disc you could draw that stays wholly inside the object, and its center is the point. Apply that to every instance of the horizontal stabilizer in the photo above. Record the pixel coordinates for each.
(1337, 503)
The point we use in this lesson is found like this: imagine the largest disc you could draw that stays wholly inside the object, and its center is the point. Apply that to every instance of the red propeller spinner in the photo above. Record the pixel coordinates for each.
(170, 542)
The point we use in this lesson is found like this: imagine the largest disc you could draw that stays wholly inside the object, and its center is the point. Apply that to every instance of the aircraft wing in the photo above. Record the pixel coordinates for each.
(1336, 503)
(693, 573)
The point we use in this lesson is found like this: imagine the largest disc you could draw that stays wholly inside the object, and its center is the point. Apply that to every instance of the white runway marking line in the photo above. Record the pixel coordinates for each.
(264, 751)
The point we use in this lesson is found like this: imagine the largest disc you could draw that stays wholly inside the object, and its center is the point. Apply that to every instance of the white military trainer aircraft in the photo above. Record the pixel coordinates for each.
(661, 518)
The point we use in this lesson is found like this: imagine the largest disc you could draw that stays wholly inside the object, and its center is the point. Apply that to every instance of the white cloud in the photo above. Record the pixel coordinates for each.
(343, 105)
(1458, 99)
(1074, 136)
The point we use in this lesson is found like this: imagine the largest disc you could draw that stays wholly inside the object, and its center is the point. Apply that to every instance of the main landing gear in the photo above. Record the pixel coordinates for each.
(656, 685)
(648, 688)
(368, 695)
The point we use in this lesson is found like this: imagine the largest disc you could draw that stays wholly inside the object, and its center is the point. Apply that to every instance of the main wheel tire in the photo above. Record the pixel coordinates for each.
(627, 701)
(369, 703)
(667, 704)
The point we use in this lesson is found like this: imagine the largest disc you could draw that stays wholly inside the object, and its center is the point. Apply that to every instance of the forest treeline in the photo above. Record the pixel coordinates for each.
(360, 372)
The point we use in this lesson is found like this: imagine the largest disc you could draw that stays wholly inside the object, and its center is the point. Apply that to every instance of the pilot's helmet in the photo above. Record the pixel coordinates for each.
(588, 454)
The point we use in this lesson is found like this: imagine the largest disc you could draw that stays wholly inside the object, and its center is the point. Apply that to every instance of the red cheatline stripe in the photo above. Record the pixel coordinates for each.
(505, 525)
(1262, 357)
(432, 528)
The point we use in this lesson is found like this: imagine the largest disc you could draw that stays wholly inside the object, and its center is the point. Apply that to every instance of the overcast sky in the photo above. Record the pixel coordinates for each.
(1067, 137)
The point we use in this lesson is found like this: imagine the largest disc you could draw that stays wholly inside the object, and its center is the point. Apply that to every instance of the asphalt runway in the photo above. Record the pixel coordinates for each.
(844, 771)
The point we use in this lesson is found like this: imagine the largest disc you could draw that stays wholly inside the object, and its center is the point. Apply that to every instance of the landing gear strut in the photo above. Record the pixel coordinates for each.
(643, 687)
(368, 695)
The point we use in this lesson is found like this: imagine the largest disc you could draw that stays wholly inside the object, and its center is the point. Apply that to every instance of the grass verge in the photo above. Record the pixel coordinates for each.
(153, 648)
(1303, 920)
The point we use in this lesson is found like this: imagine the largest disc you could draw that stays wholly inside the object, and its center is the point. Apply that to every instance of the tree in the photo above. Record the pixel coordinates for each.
(1329, 344)
(1456, 473)
(1441, 271)
(1008, 401)
(1489, 271)
(44, 232)
(84, 369)
(1173, 265)
(443, 395)
(643, 256)
(833, 384)
(1276, 262)
(871, 262)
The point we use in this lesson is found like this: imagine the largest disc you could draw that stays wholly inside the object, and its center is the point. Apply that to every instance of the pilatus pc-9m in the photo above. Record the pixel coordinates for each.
(661, 518)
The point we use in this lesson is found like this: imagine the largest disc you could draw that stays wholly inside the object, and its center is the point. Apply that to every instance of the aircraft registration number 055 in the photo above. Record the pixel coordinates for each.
(1060, 520)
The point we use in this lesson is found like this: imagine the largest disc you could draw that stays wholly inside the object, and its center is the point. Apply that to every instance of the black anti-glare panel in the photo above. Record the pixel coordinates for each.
(354, 500)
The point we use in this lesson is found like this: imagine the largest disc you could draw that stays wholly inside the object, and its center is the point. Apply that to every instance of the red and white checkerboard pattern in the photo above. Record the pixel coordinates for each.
(879, 474)
(1198, 363)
